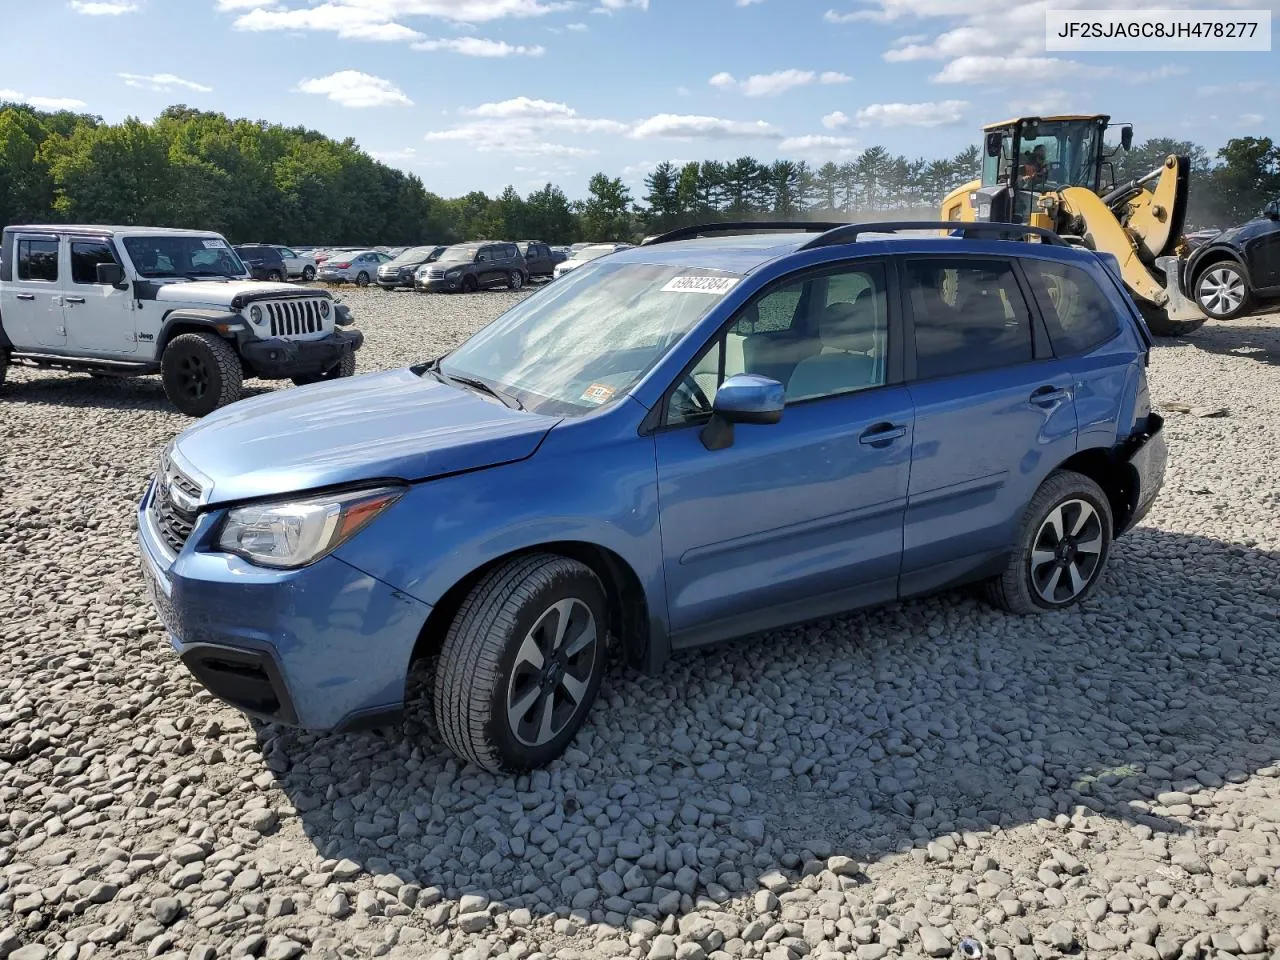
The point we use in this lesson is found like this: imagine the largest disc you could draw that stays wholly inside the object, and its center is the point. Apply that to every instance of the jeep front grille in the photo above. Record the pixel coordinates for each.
(174, 521)
(294, 318)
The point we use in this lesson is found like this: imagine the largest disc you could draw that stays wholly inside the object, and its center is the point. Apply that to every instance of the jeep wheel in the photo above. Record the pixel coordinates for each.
(346, 367)
(1222, 291)
(362, 279)
(308, 273)
(515, 280)
(201, 372)
(521, 663)
(470, 285)
(1062, 547)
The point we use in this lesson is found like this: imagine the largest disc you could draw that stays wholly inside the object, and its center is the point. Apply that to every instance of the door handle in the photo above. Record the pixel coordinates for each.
(882, 433)
(1048, 395)
(73, 299)
(26, 296)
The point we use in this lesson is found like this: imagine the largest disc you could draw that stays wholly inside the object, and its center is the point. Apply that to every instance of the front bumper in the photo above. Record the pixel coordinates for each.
(327, 647)
(438, 284)
(276, 359)
(1148, 455)
(394, 282)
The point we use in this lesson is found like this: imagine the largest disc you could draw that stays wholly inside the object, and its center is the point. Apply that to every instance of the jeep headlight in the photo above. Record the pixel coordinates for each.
(295, 533)
(255, 313)
(324, 308)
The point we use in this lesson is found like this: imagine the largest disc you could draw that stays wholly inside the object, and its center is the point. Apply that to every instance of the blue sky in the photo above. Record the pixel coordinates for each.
(476, 94)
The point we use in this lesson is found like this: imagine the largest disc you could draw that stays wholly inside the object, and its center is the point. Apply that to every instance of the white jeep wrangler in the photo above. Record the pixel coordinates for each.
(126, 301)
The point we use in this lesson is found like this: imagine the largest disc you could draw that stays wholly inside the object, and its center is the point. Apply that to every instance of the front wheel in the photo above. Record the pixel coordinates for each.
(200, 372)
(362, 279)
(470, 285)
(1222, 291)
(515, 280)
(1062, 547)
(522, 663)
(346, 367)
(308, 274)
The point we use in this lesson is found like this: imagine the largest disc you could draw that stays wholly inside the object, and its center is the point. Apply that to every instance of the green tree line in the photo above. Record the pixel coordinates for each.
(256, 181)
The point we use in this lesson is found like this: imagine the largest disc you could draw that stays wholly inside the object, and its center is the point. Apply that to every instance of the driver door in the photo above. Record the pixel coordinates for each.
(801, 518)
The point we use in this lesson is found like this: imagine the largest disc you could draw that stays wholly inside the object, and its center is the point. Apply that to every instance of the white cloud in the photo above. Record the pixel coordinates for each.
(522, 108)
(819, 145)
(403, 156)
(489, 137)
(939, 114)
(225, 6)
(996, 70)
(608, 6)
(348, 22)
(1244, 86)
(747, 3)
(577, 27)
(162, 82)
(835, 119)
(381, 19)
(1250, 119)
(351, 88)
(672, 126)
(102, 8)
(1044, 103)
(780, 81)
(480, 47)
(42, 103)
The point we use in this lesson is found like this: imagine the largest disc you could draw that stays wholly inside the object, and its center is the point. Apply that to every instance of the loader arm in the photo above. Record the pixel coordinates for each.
(1156, 217)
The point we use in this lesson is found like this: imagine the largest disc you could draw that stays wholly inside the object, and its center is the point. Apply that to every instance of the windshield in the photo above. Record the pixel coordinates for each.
(460, 251)
(412, 255)
(1059, 154)
(575, 345)
(178, 256)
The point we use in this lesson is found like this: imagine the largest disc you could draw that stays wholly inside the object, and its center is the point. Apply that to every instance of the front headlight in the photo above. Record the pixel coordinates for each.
(255, 313)
(298, 532)
(453, 273)
(324, 308)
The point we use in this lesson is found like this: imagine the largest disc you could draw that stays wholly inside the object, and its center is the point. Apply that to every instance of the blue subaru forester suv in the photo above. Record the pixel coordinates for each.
(723, 431)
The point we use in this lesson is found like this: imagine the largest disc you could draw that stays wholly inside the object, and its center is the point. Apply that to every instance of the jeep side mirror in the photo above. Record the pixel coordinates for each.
(994, 142)
(746, 398)
(1126, 136)
(110, 275)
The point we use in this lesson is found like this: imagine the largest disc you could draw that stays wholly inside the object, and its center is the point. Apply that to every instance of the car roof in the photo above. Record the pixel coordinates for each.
(99, 230)
(745, 253)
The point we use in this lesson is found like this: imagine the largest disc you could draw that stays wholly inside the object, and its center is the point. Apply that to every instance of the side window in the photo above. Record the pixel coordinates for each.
(969, 316)
(286, 252)
(38, 260)
(1079, 315)
(85, 257)
(484, 256)
(823, 337)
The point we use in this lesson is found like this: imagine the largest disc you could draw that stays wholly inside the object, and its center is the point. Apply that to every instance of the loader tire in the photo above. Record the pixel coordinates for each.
(1160, 325)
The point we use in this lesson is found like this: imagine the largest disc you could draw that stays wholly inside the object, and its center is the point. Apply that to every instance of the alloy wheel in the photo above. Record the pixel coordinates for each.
(551, 673)
(195, 377)
(1066, 553)
(1221, 290)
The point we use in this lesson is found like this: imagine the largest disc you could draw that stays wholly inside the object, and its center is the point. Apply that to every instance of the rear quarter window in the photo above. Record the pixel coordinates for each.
(1078, 314)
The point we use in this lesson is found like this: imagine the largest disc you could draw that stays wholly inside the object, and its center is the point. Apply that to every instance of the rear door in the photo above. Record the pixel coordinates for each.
(99, 318)
(32, 302)
(995, 413)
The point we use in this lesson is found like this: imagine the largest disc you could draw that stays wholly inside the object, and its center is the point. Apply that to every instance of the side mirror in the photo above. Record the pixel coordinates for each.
(994, 143)
(110, 275)
(1126, 136)
(746, 398)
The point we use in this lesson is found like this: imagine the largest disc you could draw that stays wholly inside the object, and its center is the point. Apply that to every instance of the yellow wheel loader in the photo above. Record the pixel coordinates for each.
(1048, 172)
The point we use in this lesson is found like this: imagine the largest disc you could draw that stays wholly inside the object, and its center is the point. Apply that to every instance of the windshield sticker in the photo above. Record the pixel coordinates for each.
(716, 286)
(598, 393)
(214, 245)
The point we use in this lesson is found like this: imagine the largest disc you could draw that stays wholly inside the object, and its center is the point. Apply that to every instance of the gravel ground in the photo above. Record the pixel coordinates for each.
(1104, 782)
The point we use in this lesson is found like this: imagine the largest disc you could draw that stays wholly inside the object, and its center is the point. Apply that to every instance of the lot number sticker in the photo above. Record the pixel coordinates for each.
(214, 245)
(598, 393)
(716, 286)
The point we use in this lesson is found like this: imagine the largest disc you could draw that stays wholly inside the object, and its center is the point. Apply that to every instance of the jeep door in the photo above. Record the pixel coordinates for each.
(801, 518)
(995, 414)
(32, 302)
(99, 318)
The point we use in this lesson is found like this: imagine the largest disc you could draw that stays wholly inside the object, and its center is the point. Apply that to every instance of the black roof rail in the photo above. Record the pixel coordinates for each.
(741, 226)
(848, 232)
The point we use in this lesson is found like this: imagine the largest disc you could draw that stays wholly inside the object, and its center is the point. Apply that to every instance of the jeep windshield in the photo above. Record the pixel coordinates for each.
(576, 345)
(189, 257)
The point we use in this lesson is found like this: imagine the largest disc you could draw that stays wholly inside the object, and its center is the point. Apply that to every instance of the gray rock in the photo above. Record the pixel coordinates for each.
(933, 942)
(166, 909)
(283, 948)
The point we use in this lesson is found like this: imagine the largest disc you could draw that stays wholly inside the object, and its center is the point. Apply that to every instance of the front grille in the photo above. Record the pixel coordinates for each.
(436, 273)
(294, 318)
(174, 523)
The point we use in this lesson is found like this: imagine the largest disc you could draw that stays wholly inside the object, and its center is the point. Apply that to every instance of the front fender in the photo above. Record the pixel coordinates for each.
(188, 319)
(1211, 253)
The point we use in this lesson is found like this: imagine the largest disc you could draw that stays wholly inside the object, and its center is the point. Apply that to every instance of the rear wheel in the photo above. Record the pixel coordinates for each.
(274, 275)
(1062, 548)
(308, 273)
(515, 280)
(362, 279)
(346, 367)
(201, 372)
(521, 663)
(1222, 291)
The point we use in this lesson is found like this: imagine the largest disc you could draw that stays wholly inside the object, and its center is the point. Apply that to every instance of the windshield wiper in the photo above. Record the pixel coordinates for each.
(207, 273)
(474, 383)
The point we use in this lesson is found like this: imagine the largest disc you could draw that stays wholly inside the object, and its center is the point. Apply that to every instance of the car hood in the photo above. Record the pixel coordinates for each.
(217, 291)
(382, 425)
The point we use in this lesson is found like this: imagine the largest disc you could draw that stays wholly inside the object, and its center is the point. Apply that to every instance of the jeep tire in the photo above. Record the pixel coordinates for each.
(346, 367)
(201, 372)
(1061, 550)
(522, 663)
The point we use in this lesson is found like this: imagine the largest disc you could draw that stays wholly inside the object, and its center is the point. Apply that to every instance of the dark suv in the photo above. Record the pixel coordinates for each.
(264, 261)
(401, 271)
(472, 266)
(1229, 271)
(541, 258)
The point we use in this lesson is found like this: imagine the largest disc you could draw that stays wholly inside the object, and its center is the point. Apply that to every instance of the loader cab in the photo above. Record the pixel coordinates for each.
(1028, 158)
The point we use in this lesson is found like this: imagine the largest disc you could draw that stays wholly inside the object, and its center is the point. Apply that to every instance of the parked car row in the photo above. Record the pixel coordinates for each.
(271, 262)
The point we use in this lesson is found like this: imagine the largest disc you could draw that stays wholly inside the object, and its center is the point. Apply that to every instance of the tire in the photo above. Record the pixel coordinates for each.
(362, 279)
(470, 285)
(274, 276)
(1161, 325)
(346, 367)
(4, 366)
(1038, 578)
(308, 274)
(487, 667)
(515, 280)
(1222, 291)
(201, 372)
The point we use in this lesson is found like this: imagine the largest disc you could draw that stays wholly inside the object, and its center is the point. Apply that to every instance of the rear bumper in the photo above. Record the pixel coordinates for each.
(1148, 455)
(277, 359)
